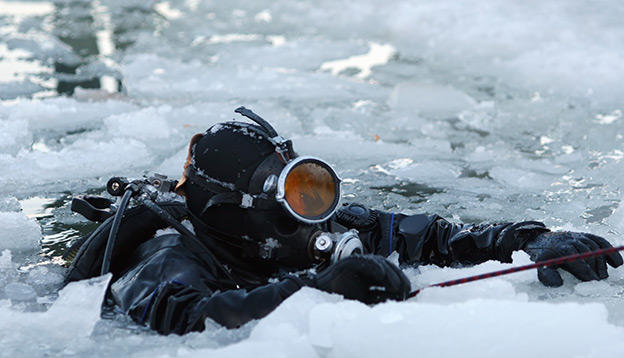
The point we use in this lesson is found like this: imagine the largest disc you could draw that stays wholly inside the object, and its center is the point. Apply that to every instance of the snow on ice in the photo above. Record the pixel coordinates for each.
(477, 111)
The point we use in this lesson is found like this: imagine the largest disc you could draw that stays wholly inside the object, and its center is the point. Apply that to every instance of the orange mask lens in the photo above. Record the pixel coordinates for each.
(311, 190)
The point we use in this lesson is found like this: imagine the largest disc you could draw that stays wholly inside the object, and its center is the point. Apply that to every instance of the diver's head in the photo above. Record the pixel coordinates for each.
(246, 185)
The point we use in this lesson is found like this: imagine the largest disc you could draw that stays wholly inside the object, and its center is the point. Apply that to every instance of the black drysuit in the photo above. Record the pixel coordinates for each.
(173, 283)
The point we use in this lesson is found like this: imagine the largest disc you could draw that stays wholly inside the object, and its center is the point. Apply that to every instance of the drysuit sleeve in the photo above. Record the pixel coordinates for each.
(170, 291)
(179, 308)
(430, 239)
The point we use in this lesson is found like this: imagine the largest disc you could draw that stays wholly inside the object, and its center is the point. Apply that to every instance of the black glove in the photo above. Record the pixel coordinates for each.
(552, 245)
(366, 278)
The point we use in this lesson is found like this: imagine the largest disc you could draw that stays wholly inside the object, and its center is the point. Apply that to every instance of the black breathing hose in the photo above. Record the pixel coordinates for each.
(153, 207)
(168, 218)
(110, 244)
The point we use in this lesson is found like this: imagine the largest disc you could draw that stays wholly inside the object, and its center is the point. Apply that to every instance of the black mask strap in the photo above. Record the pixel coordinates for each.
(243, 200)
(226, 193)
(256, 118)
(283, 146)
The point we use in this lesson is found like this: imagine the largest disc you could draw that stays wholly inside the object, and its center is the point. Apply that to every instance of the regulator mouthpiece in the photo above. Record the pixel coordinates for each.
(332, 247)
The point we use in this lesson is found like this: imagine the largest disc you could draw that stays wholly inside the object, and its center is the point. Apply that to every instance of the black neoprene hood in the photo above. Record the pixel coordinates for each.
(226, 159)
(230, 152)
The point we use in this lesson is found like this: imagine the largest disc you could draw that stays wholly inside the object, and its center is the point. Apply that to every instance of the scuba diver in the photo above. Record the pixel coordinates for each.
(253, 222)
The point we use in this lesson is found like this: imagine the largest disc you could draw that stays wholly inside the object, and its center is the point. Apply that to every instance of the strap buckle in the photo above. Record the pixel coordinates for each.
(246, 201)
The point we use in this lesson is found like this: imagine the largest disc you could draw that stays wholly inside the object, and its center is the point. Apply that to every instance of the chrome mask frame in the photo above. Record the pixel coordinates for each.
(280, 195)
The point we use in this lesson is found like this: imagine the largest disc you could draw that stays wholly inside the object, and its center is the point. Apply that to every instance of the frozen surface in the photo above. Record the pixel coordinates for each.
(59, 330)
(18, 232)
(478, 111)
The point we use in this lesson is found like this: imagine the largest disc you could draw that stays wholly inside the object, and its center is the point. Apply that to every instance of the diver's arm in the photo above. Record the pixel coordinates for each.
(432, 239)
(178, 308)
(435, 240)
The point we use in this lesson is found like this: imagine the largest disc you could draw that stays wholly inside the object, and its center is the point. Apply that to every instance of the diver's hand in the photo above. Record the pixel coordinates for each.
(366, 278)
(552, 245)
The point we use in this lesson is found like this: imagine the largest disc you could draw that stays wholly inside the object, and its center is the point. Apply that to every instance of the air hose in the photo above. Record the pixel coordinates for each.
(110, 244)
(170, 220)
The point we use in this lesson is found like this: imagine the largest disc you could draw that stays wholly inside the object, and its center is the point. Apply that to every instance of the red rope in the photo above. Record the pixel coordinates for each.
(546, 263)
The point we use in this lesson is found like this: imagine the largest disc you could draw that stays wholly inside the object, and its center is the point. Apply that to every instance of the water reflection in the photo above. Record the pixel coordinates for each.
(59, 226)
(74, 26)
(91, 40)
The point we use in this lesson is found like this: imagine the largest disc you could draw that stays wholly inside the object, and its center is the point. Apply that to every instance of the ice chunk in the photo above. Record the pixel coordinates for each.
(5, 260)
(521, 178)
(491, 288)
(7, 268)
(59, 330)
(44, 47)
(148, 123)
(378, 54)
(394, 258)
(477, 328)
(44, 276)
(78, 307)
(10, 90)
(18, 233)
(595, 289)
(152, 76)
(83, 158)
(63, 114)
(13, 135)
(293, 311)
(287, 345)
(321, 334)
(173, 166)
(430, 99)
(284, 332)
(19, 291)
(428, 171)
(9, 204)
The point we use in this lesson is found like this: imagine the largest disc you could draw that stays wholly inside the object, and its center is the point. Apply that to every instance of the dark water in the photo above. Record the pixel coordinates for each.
(59, 226)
